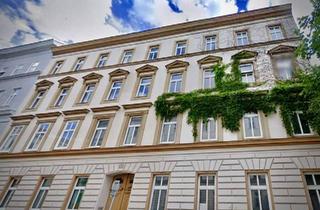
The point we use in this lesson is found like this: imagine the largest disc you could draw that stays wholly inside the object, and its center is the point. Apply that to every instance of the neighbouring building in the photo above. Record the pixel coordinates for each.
(87, 137)
(19, 69)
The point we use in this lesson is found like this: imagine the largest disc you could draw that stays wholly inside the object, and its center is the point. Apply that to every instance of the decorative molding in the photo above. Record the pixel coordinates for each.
(210, 59)
(147, 69)
(75, 112)
(22, 117)
(49, 114)
(84, 169)
(21, 171)
(251, 54)
(162, 166)
(44, 84)
(282, 49)
(119, 72)
(92, 76)
(105, 109)
(177, 64)
(121, 168)
(256, 163)
(67, 80)
(137, 105)
(206, 165)
(307, 162)
(50, 170)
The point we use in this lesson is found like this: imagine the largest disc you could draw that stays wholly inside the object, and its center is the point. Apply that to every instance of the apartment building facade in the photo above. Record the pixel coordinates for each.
(19, 68)
(88, 136)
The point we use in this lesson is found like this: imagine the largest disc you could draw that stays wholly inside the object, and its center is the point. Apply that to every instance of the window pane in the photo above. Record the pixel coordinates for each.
(247, 127)
(309, 179)
(205, 130)
(295, 124)
(264, 200)
(82, 182)
(165, 131)
(314, 199)
(77, 204)
(38, 199)
(163, 199)
(172, 133)
(253, 180)
(211, 180)
(317, 178)
(155, 199)
(164, 181)
(212, 125)
(304, 123)
(255, 200)
(73, 199)
(202, 197)
(129, 135)
(158, 181)
(256, 126)
(210, 199)
(262, 180)
(203, 180)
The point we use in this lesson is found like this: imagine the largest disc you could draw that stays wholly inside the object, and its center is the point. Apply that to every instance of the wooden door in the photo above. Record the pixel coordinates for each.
(120, 199)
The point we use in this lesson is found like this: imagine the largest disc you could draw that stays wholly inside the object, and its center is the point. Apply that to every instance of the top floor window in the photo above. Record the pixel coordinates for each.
(275, 32)
(127, 56)
(33, 67)
(153, 53)
(210, 43)
(285, 68)
(18, 70)
(247, 72)
(181, 48)
(102, 60)
(242, 38)
(78, 65)
(168, 130)
(57, 66)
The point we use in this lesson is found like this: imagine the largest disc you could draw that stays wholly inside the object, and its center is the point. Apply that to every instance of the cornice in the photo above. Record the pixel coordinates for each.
(146, 69)
(165, 148)
(137, 105)
(44, 83)
(22, 117)
(282, 49)
(48, 115)
(67, 80)
(105, 109)
(197, 25)
(75, 112)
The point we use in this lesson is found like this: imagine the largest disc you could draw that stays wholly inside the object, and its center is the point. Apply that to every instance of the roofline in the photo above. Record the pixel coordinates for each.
(196, 25)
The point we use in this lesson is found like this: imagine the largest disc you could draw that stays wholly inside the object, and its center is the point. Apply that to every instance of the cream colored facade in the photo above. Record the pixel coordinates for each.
(231, 158)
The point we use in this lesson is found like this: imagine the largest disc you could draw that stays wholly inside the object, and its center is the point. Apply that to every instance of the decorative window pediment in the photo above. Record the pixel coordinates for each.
(210, 59)
(92, 76)
(177, 64)
(147, 69)
(67, 80)
(245, 54)
(281, 49)
(119, 72)
(22, 117)
(44, 84)
(76, 112)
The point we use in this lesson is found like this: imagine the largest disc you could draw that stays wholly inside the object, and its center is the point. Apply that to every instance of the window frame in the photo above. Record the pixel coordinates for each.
(311, 172)
(79, 63)
(176, 82)
(74, 188)
(242, 37)
(138, 127)
(214, 42)
(33, 67)
(17, 68)
(63, 130)
(38, 189)
(271, 34)
(8, 134)
(55, 68)
(149, 57)
(12, 96)
(125, 58)
(276, 59)
(147, 86)
(86, 91)
(183, 49)
(216, 131)
(213, 82)
(170, 123)
(64, 96)
(9, 188)
(159, 188)
(297, 114)
(112, 88)
(198, 188)
(246, 72)
(99, 60)
(106, 129)
(33, 135)
(251, 123)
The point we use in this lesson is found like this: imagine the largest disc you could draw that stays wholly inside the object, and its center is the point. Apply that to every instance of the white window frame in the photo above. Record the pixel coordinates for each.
(79, 63)
(33, 67)
(315, 187)
(38, 136)
(36, 101)
(12, 96)
(146, 86)
(241, 36)
(100, 131)
(207, 188)
(88, 93)
(209, 130)
(251, 115)
(44, 195)
(175, 82)
(153, 53)
(134, 127)
(114, 90)
(276, 32)
(181, 48)
(170, 124)
(67, 130)
(127, 56)
(75, 187)
(211, 77)
(244, 74)
(62, 96)
(259, 188)
(103, 58)
(11, 138)
(160, 188)
(210, 41)
(287, 77)
(297, 114)
(57, 66)
(10, 189)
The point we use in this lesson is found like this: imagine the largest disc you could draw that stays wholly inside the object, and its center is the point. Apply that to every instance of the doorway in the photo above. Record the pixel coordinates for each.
(119, 192)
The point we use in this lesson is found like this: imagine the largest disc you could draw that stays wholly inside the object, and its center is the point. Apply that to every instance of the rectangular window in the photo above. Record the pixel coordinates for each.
(12, 96)
(275, 32)
(247, 72)
(77, 193)
(115, 90)
(87, 94)
(209, 130)
(14, 182)
(168, 130)
(62, 96)
(259, 193)
(57, 66)
(252, 127)
(153, 53)
(300, 123)
(285, 68)
(33, 67)
(18, 70)
(78, 65)
(36, 139)
(37, 99)
(181, 48)
(159, 192)
(144, 87)
(127, 56)
(41, 193)
(12, 137)
(210, 43)
(102, 60)
(67, 134)
(208, 79)
(133, 130)
(175, 83)
(242, 38)
(313, 186)
(206, 192)
(99, 133)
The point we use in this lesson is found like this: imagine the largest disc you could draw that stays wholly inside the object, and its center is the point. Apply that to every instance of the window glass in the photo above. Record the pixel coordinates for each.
(127, 56)
(12, 137)
(99, 133)
(67, 134)
(242, 38)
(209, 130)
(252, 126)
(133, 130)
(159, 193)
(285, 68)
(276, 32)
(313, 186)
(247, 73)
(175, 83)
(144, 86)
(77, 193)
(153, 53)
(210, 43)
(88, 93)
(115, 90)
(37, 137)
(259, 192)
(181, 48)
(14, 182)
(102, 60)
(300, 123)
(206, 192)
(168, 130)
(42, 193)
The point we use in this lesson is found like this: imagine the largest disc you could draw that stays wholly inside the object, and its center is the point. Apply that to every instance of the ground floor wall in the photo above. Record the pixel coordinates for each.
(285, 166)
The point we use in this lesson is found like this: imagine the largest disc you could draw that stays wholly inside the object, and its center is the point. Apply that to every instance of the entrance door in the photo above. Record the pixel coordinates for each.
(119, 192)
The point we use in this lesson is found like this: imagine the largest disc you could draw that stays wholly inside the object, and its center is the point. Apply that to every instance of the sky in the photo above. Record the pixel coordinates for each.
(71, 21)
